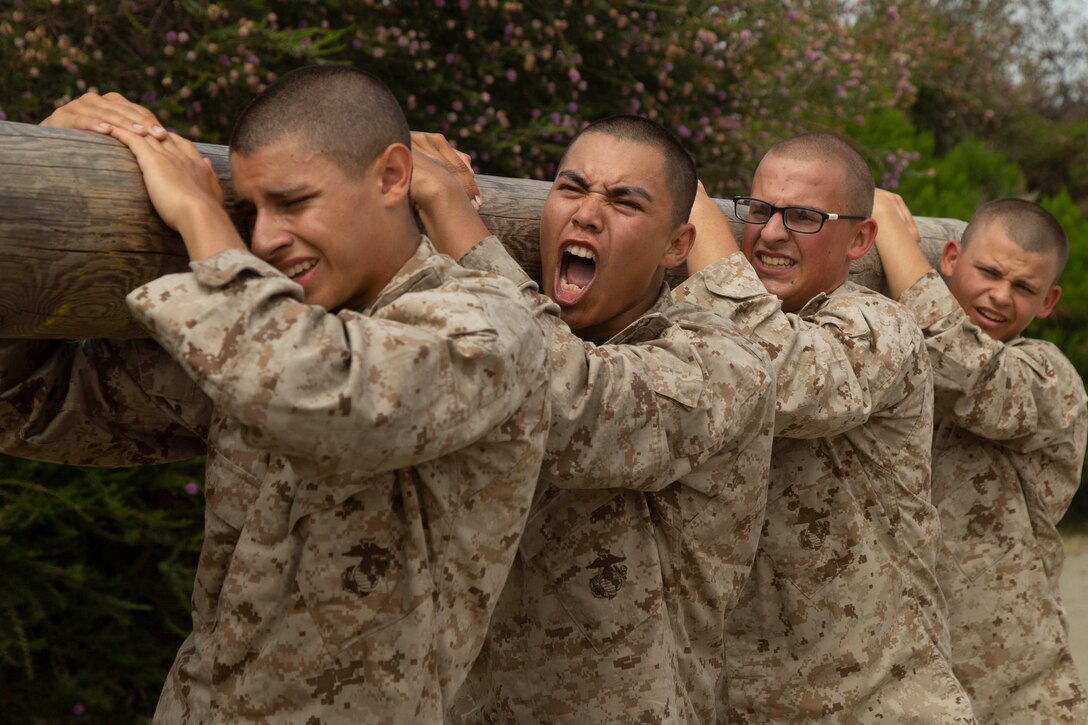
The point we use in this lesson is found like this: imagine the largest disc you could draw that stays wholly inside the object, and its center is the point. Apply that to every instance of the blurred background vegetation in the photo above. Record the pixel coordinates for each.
(954, 103)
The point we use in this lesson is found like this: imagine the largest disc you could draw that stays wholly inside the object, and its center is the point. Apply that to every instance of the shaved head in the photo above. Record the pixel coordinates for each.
(344, 113)
(829, 147)
(1026, 223)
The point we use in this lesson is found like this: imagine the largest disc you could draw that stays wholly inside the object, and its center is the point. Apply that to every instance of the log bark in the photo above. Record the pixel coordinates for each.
(77, 232)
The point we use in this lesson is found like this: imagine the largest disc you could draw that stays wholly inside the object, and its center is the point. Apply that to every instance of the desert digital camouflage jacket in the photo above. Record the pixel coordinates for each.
(644, 527)
(368, 475)
(842, 619)
(1008, 446)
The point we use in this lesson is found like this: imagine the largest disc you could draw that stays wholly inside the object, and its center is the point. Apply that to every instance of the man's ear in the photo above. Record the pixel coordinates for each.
(1051, 299)
(949, 256)
(394, 167)
(679, 246)
(863, 239)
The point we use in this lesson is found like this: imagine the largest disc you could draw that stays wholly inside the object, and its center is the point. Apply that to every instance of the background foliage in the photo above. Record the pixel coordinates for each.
(953, 102)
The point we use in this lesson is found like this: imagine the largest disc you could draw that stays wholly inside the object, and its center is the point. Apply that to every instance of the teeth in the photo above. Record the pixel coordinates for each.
(775, 261)
(990, 316)
(567, 286)
(296, 269)
(579, 250)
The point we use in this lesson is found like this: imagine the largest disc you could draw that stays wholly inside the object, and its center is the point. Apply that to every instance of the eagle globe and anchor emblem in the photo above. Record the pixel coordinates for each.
(374, 562)
(606, 583)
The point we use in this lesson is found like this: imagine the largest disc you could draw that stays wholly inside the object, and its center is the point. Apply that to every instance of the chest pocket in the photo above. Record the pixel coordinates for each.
(363, 562)
(595, 552)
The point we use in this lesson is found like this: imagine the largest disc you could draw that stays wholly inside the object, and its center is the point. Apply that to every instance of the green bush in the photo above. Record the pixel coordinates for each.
(98, 568)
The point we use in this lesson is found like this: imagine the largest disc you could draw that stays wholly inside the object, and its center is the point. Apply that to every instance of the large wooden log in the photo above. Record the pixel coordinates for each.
(77, 232)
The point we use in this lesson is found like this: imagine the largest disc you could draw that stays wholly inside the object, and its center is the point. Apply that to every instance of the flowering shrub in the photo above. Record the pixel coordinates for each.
(511, 81)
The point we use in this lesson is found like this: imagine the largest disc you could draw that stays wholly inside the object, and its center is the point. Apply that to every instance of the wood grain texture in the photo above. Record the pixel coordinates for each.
(77, 232)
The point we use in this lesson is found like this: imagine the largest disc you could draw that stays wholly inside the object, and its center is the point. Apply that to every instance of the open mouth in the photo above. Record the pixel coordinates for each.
(577, 270)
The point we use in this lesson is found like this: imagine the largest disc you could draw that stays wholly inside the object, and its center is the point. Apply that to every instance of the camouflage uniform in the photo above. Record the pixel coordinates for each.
(1007, 453)
(841, 619)
(368, 475)
(644, 527)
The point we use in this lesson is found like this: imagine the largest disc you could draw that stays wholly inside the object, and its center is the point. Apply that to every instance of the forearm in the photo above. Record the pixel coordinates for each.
(898, 243)
(451, 222)
(207, 231)
(346, 391)
(713, 233)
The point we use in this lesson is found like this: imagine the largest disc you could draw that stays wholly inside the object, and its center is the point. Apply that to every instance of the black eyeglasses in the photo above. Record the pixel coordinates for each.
(795, 218)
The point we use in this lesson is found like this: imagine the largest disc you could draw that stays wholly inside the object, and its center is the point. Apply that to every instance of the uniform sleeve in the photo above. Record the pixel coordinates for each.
(98, 403)
(837, 362)
(643, 413)
(427, 374)
(1023, 394)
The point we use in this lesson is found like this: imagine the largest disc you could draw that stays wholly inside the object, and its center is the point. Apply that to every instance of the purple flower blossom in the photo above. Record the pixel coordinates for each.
(171, 37)
(192, 488)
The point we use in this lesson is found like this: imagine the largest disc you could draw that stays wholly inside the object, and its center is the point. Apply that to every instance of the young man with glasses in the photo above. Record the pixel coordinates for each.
(841, 617)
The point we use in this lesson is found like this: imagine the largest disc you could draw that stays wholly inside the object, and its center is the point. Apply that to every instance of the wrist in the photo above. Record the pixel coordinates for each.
(207, 230)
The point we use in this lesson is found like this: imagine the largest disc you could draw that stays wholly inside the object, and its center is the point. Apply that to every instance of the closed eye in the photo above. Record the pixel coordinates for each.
(288, 203)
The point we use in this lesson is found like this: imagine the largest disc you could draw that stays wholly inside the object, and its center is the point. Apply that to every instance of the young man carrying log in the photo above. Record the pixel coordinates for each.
(842, 618)
(654, 481)
(1008, 447)
(373, 414)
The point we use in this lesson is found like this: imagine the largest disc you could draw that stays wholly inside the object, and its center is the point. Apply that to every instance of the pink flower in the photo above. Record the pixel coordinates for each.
(192, 488)
(78, 709)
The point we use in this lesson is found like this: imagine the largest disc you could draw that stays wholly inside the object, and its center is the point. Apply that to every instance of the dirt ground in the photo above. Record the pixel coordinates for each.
(1074, 585)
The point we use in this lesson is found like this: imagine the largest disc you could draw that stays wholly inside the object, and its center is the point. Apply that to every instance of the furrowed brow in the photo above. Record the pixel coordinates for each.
(574, 177)
(288, 192)
(615, 192)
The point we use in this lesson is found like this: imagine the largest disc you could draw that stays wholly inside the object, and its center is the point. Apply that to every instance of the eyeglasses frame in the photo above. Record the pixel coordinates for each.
(824, 216)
